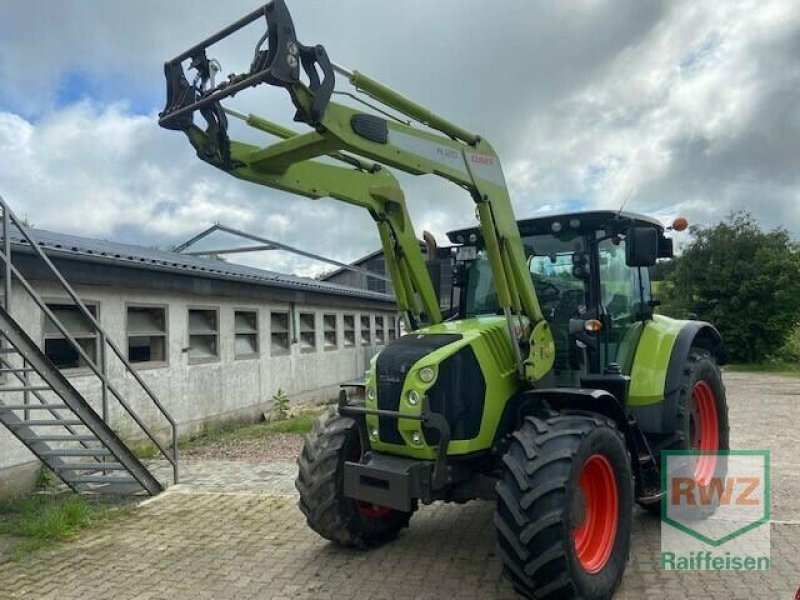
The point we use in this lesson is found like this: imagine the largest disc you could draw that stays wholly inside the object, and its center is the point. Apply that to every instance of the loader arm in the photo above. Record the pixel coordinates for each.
(341, 131)
(372, 188)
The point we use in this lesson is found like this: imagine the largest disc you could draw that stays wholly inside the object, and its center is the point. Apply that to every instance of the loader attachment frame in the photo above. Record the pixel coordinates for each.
(277, 64)
(357, 137)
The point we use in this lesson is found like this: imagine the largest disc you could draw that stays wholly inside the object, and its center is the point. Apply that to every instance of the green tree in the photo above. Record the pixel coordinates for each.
(743, 280)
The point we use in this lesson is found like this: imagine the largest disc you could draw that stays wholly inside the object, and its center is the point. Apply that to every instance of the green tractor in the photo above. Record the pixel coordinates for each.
(551, 390)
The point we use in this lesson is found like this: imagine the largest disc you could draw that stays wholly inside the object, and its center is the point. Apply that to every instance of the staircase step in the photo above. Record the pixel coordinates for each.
(133, 488)
(90, 466)
(46, 423)
(32, 407)
(61, 438)
(76, 452)
(101, 479)
(86, 470)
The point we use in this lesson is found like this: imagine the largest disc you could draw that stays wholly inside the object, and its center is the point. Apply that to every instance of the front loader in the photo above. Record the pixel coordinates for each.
(553, 389)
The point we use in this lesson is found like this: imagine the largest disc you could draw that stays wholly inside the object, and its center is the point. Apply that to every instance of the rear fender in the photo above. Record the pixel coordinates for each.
(658, 367)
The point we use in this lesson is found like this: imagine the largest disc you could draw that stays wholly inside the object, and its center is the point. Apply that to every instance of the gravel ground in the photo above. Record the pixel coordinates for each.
(273, 447)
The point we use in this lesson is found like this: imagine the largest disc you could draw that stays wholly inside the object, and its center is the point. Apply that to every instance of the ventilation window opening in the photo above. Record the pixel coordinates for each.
(280, 333)
(308, 332)
(62, 353)
(391, 328)
(379, 330)
(366, 331)
(349, 322)
(147, 334)
(203, 335)
(329, 330)
(245, 326)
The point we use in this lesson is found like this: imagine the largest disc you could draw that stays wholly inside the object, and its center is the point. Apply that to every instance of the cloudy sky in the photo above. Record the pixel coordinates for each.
(683, 107)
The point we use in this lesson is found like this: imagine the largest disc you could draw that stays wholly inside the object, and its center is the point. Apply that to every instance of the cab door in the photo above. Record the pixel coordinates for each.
(623, 295)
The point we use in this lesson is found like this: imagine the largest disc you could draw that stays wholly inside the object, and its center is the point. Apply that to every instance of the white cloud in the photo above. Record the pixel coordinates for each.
(692, 108)
(103, 172)
(662, 117)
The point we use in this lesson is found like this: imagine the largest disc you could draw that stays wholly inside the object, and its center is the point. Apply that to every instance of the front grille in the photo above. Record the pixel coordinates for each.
(458, 394)
(391, 368)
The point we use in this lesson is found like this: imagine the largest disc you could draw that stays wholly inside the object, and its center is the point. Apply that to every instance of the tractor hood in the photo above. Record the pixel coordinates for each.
(453, 365)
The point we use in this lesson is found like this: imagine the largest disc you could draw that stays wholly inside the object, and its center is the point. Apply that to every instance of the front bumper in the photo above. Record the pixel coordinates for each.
(391, 481)
(395, 481)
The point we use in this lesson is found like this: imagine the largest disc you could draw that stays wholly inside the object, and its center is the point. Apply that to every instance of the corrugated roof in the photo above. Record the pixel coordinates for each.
(356, 263)
(103, 251)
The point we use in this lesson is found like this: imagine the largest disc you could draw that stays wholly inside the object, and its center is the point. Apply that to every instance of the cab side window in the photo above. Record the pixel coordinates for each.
(623, 290)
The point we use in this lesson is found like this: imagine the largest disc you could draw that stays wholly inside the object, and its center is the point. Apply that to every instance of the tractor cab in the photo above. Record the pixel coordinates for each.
(591, 275)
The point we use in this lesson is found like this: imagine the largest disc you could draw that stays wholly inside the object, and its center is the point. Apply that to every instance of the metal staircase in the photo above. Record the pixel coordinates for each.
(40, 406)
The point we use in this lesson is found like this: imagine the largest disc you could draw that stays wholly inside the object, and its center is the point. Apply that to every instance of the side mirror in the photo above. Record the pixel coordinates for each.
(641, 246)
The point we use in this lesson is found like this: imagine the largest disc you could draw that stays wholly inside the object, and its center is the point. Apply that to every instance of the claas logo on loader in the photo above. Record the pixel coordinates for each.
(722, 491)
(481, 159)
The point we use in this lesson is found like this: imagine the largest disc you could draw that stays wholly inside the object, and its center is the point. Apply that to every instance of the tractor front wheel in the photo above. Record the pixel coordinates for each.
(332, 441)
(564, 507)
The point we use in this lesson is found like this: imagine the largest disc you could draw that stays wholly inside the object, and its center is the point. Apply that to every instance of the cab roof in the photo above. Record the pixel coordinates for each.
(581, 221)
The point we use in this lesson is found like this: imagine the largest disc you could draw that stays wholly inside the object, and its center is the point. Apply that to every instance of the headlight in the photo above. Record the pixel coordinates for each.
(370, 393)
(373, 435)
(413, 397)
(416, 437)
(427, 374)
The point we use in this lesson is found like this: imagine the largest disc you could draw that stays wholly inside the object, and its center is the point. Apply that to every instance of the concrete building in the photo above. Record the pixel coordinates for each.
(440, 262)
(214, 340)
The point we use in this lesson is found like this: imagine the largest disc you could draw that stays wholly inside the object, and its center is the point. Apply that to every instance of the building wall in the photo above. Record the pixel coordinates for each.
(226, 388)
(440, 271)
(375, 264)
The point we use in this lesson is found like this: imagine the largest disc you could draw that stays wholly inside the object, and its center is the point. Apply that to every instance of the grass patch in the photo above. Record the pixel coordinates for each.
(300, 423)
(784, 368)
(145, 450)
(42, 519)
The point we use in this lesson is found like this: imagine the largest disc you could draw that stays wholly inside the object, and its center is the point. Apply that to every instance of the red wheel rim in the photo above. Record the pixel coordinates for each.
(367, 509)
(372, 511)
(594, 537)
(705, 431)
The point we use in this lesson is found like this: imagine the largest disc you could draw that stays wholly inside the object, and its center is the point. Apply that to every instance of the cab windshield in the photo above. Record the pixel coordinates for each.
(552, 262)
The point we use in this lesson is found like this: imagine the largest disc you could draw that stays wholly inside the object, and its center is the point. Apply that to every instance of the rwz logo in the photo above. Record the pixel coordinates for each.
(718, 491)
(711, 499)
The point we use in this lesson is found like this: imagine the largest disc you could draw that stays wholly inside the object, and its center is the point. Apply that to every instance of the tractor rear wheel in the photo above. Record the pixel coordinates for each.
(702, 419)
(564, 507)
(332, 441)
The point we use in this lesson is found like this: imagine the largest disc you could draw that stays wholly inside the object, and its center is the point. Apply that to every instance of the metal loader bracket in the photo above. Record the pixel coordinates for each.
(276, 64)
(397, 483)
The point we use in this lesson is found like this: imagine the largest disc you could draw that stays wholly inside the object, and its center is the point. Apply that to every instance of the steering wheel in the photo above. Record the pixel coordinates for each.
(568, 303)
(552, 288)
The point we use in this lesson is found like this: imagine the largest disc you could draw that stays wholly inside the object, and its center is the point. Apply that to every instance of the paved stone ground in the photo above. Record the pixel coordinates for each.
(232, 531)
